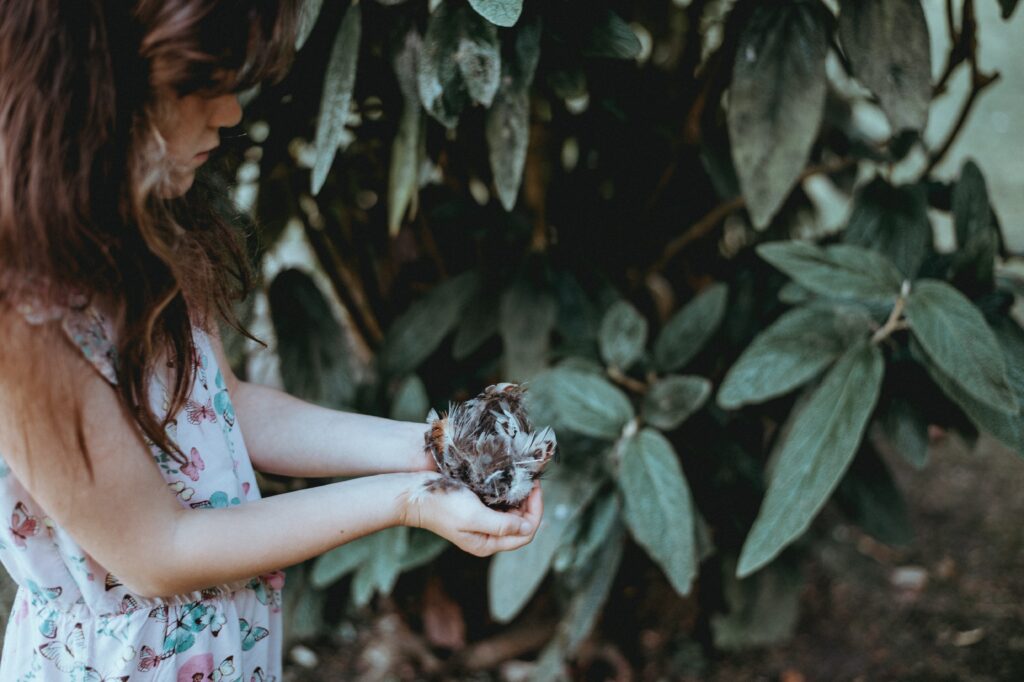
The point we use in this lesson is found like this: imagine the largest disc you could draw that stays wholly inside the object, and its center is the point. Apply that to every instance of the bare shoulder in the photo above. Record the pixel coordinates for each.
(55, 407)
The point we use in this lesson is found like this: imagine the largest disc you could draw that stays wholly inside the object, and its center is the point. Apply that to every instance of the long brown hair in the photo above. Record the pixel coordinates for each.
(83, 189)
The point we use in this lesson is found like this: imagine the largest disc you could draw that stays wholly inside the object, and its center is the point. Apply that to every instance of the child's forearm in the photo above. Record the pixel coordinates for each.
(289, 436)
(215, 546)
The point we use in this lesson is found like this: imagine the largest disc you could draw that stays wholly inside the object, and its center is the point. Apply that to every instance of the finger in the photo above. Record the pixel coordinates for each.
(501, 524)
(486, 545)
(534, 506)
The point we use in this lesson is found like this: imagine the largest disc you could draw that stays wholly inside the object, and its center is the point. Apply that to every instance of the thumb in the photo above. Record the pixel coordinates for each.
(501, 523)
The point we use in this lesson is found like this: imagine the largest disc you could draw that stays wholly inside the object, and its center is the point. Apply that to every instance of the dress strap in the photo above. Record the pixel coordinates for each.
(85, 326)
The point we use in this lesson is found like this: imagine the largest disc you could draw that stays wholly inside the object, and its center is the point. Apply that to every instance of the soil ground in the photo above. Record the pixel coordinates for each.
(950, 606)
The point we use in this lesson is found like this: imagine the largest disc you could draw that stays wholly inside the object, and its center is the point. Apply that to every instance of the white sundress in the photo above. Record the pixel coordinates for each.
(74, 620)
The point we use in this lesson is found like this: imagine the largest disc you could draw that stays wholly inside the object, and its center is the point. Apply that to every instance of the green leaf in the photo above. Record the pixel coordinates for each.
(408, 149)
(382, 566)
(333, 565)
(513, 577)
(777, 101)
(479, 58)
(339, 81)
(672, 399)
(892, 221)
(311, 345)
(422, 548)
(460, 59)
(411, 402)
(419, 330)
(686, 332)
(816, 452)
(622, 335)
(527, 317)
(791, 352)
(976, 236)
(508, 120)
(889, 50)
(1008, 429)
(1008, 6)
(441, 87)
(612, 37)
(603, 519)
(579, 401)
(839, 271)
(479, 323)
(906, 428)
(308, 14)
(956, 337)
(657, 505)
(501, 12)
(763, 609)
(868, 495)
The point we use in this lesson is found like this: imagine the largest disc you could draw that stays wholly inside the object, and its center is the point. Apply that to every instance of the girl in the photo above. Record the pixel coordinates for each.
(137, 535)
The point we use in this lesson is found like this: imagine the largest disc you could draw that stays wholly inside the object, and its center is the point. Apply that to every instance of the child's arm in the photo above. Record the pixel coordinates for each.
(288, 436)
(127, 519)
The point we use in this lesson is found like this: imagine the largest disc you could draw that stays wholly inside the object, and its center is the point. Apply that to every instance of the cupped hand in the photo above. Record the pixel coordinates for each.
(460, 517)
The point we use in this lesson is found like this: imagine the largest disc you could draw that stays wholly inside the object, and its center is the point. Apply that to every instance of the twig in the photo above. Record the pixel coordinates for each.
(979, 82)
(620, 377)
(964, 48)
(895, 321)
(722, 210)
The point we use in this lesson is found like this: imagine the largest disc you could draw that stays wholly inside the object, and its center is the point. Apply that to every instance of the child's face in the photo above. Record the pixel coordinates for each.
(191, 130)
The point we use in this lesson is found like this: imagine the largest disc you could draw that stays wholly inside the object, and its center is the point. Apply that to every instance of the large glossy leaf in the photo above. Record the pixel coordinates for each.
(339, 81)
(420, 329)
(526, 319)
(513, 577)
(672, 399)
(791, 352)
(657, 505)
(815, 454)
(310, 343)
(579, 401)
(408, 148)
(839, 271)
(622, 335)
(688, 330)
(888, 47)
(956, 337)
(501, 12)
(508, 119)
(892, 221)
(976, 236)
(776, 101)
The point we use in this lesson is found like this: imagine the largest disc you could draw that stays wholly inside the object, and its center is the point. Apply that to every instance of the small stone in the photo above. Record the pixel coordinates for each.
(910, 578)
(304, 656)
(969, 637)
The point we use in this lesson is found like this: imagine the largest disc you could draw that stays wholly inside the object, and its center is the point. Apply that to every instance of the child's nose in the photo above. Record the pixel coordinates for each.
(225, 111)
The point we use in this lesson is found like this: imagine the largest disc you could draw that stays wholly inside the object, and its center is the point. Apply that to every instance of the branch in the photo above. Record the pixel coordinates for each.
(716, 215)
(979, 81)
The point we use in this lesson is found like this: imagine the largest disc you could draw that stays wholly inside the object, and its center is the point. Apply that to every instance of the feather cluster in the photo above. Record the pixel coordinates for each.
(488, 445)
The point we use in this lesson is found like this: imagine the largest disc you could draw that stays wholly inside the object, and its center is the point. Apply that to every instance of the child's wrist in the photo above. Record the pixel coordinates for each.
(420, 458)
(413, 491)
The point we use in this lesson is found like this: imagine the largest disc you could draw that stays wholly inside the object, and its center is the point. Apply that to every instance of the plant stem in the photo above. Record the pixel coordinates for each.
(895, 321)
(620, 377)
